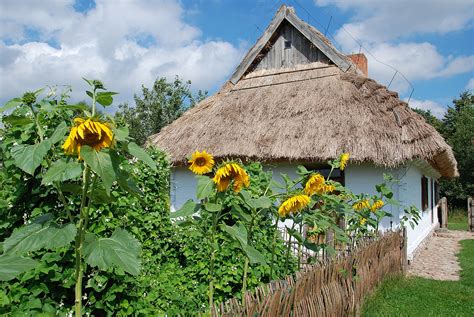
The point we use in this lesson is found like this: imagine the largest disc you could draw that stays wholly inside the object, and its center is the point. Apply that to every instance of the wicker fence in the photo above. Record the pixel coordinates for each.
(334, 288)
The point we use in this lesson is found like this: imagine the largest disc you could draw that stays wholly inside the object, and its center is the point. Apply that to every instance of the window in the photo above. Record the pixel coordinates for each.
(432, 199)
(287, 44)
(436, 192)
(424, 193)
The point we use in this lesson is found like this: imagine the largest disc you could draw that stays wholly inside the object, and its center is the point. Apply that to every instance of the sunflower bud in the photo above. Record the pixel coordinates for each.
(98, 84)
(29, 98)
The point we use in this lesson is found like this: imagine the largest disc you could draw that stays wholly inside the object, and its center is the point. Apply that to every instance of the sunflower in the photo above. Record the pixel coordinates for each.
(201, 163)
(344, 159)
(361, 205)
(231, 172)
(362, 221)
(293, 204)
(91, 132)
(314, 184)
(328, 188)
(377, 205)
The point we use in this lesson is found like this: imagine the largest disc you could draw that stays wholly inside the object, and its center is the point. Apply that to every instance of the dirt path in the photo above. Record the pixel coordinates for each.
(438, 260)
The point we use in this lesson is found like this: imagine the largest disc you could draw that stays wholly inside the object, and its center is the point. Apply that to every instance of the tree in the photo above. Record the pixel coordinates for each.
(457, 127)
(157, 107)
(429, 118)
(458, 130)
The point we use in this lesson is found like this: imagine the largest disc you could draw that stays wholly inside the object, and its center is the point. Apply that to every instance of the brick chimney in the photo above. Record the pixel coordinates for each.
(360, 61)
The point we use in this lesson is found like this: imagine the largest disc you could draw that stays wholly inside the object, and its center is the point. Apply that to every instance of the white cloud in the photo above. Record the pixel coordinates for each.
(383, 26)
(416, 61)
(470, 84)
(124, 43)
(378, 21)
(435, 108)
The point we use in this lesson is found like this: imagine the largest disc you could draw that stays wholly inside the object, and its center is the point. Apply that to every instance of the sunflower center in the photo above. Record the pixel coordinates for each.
(200, 161)
(90, 138)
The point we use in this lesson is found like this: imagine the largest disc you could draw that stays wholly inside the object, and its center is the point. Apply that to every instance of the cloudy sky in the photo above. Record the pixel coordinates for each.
(127, 43)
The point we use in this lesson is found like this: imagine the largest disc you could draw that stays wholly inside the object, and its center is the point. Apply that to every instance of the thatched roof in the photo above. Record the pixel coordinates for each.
(310, 113)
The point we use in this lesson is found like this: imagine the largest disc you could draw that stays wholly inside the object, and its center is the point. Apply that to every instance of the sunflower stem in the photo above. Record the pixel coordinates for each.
(246, 263)
(275, 230)
(93, 101)
(288, 249)
(83, 219)
(299, 248)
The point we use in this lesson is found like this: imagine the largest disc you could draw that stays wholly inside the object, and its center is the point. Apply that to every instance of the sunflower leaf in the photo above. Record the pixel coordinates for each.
(13, 265)
(204, 187)
(101, 163)
(59, 133)
(15, 102)
(120, 250)
(105, 98)
(61, 171)
(189, 208)
(140, 154)
(39, 235)
(29, 157)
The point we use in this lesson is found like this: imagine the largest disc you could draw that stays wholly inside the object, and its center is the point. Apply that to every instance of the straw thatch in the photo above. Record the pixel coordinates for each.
(310, 113)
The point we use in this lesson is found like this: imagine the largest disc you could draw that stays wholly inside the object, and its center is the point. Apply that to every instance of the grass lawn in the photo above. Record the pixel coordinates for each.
(457, 221)
(416, 296)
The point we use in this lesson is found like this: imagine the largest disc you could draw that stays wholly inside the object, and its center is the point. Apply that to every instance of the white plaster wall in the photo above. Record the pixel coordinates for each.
(363, 178)
(410, 194)
(359, 179)
(183, 187)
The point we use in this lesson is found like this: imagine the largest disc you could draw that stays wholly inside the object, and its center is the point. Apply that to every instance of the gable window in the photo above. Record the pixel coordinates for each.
(287, 44)
(424, 193)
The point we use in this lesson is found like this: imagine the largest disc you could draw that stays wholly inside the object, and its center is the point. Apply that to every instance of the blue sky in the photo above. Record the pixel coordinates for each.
(128, 43)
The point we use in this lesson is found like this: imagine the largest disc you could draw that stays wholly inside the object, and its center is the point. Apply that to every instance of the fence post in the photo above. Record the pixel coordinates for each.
(444, 212)
(470, 213)
(404, 255)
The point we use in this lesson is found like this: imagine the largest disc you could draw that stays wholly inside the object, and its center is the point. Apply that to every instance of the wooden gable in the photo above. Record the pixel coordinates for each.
(289, 48)
(287, 42)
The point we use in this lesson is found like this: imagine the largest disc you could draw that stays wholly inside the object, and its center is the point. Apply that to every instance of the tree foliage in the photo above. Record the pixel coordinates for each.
(157, 107)
(457, 127)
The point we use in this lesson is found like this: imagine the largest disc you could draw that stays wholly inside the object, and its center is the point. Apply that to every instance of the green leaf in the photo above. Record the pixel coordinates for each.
(295, 234)
(61, 171)
(237, 232)
(188, 209)
(13, 265)
(58, 134)
(204, 187)
(15, 102)
(253, 255)
(121, 134)
(211, 207)
(88, 81)
(15, 120)
(140, 154)
(105, 98)
(120, 250)
(247, 199)
(72, 107)
(101, 163)
(29, 157)
(262, 202)
(301, 170)
(37, 236)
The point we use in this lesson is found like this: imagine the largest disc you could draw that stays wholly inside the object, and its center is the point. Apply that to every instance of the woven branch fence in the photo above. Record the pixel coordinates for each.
(334, 288)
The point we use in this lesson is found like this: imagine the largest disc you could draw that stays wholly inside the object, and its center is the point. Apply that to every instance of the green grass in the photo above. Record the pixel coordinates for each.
(416, 296)
(458, 221)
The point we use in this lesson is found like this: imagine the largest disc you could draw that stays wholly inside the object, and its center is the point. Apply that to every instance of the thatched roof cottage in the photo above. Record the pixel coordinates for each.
(295, 99)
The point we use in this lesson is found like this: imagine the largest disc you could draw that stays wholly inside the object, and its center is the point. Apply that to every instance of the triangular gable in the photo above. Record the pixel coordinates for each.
(317, 39)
